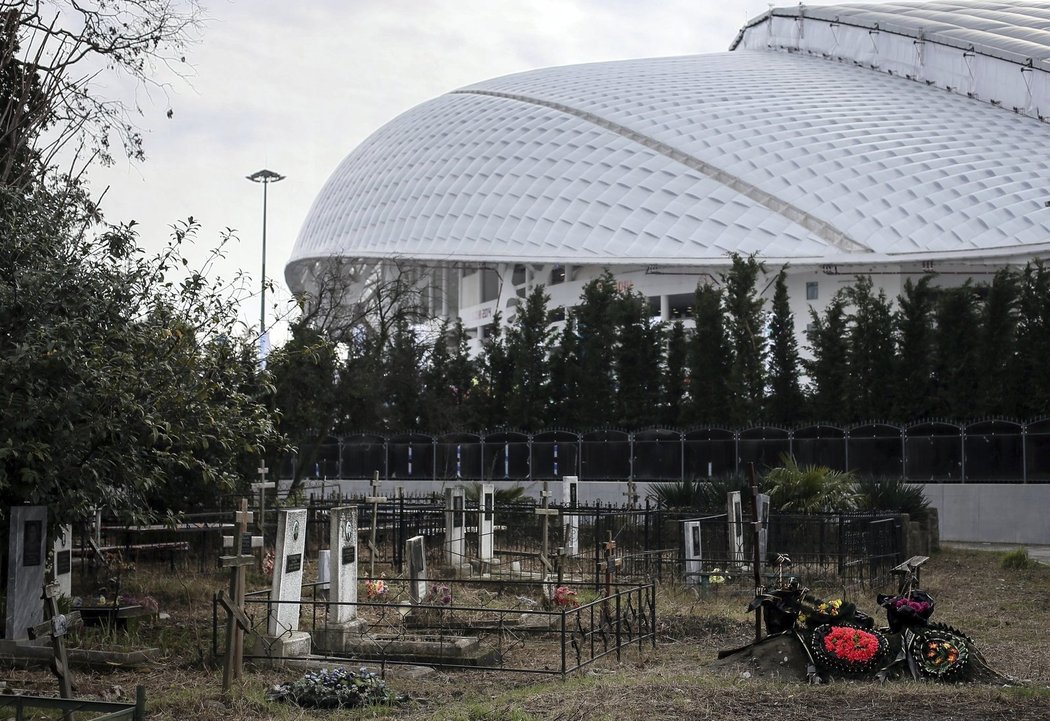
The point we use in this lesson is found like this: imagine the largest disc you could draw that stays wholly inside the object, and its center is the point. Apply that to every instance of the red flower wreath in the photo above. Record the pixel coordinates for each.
(852, 645)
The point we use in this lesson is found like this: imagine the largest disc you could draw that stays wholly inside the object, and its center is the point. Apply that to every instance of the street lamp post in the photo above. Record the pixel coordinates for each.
(265, 177)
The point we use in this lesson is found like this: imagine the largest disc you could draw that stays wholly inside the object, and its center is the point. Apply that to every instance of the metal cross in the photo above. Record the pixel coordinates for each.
(546, 511)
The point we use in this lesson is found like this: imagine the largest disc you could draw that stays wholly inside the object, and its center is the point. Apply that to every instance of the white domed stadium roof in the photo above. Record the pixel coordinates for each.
(801, 145)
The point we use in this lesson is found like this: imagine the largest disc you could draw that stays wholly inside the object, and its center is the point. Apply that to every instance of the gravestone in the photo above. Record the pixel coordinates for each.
(570, 521)
(343, 622)
(455, 527)
(26, 558)
(735, 513)
(762, 504)
(416, 553)
(62, 550)
(486, 523)
(283, 638)
(692, 553)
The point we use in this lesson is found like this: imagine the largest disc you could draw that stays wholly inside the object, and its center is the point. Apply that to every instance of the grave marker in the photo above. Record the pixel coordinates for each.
(26, 556)
(570, 521)
(62, 549)
(287, 572)
(762, 506)
(237, 623)
(692, 553)
(375, 499)
(546, 512)
(416, 553)
(486, 523)
(343, 545)
(735, 514)
(455, 527)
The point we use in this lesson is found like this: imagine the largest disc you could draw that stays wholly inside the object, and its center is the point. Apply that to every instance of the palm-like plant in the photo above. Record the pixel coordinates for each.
(810, 489)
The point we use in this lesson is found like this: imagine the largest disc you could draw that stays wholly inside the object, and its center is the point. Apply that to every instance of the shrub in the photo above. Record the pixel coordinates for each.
(809, 489)
(706, 495)
(1017, 559)
(884, 493)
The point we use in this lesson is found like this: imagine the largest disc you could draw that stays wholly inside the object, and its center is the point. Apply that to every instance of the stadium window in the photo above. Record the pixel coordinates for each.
(557, 275)
(812, 290)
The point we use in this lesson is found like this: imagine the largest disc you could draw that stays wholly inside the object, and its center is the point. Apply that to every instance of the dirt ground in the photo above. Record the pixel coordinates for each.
(1003, 611)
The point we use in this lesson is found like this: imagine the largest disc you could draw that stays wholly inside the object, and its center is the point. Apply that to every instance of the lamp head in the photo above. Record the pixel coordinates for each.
(265, 176)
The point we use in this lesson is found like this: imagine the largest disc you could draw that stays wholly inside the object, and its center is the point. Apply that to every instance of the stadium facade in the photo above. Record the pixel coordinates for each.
(895, 140)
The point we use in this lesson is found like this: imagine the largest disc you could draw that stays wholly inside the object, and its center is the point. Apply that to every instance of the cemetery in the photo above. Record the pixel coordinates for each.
(389, 593)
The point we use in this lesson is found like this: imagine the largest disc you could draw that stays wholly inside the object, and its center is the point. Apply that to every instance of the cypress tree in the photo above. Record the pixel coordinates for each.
(747, 339)
(827, 369)
(785, 391)
(996, 358)
(637, 360)
(596, 328)
(673, 405)
(913, 394)
(955, 352)
(1032, 379)
(871, 371)
(709, 359)
(563, 399)
(528, 344)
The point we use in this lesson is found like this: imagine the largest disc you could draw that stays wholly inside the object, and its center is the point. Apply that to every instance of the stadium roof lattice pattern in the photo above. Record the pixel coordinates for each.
(683, 160)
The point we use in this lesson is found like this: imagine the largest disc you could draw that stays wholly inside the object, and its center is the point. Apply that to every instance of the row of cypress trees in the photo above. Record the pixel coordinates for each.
(964, 352)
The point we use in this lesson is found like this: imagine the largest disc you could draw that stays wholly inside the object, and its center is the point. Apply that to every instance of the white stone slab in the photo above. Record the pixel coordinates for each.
(343, 541)
(416, 553)
(762, 504)
(26, 559)
(693, 553)
(62, 549)
(735, 513)
(455, 527)
(288, 565)
(487, 522)
(570, 521)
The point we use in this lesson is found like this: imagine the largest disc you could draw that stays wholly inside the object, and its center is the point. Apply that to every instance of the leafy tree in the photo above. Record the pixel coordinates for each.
(810, 489)
(996, 360)
(673, 406)
(827, 369)
(596, 328)
(913, 396)
(785, 402)
(116, 379)
(528, 344)
(747, 339)
(709, 357)
(871, 366)
(955, 359)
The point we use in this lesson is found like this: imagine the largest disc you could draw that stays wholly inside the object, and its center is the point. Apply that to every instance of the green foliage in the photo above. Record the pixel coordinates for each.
(563, 404)
(335, 688)
(513, 494)
(709, 355)
(871, 352)
(1017, 559)
(699, 495)
(528, 344)
(882, 493)
(828, 369)
(747, 339)
(785, 401)
(809, 489)
(955, 356)
(913, 323)
(596, 330)
(673, 405)
(637, 359)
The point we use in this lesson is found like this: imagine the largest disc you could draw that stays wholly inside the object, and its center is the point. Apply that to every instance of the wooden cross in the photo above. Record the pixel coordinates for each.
(261, 487)
(242, 544)
(610, 563)
(57, 626)
(546, 511)
(375, 499)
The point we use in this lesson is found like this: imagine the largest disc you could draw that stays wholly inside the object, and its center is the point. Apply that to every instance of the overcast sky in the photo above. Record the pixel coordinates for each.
(295, 86)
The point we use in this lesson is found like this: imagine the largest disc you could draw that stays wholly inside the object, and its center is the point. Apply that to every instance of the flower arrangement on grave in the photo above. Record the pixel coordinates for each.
(438, 596)
(268, 561)
(565, 597)
(335, 688)
(907, 610)
(717, 578)
(939, 652)
(376, 588)
(848, 648)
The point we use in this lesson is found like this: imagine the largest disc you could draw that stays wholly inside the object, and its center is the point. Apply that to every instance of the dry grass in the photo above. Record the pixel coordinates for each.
(1003, 610)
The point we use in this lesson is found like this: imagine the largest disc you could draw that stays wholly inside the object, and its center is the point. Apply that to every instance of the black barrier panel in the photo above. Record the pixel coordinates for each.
(555, 454)
(286, 468)
(820, 446)
(326, 460)
(458, 455)
(708, 453)
(505, 456)
(363, 457)
(933, 453)
(764, 446)
(1037, 450)
(875, 450)
(606, 455)
(994, 452)
(410, 456)
(657, 455)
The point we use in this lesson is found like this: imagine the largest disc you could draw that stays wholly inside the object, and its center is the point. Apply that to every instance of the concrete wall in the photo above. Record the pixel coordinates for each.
(992, 512)
(976, 512)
